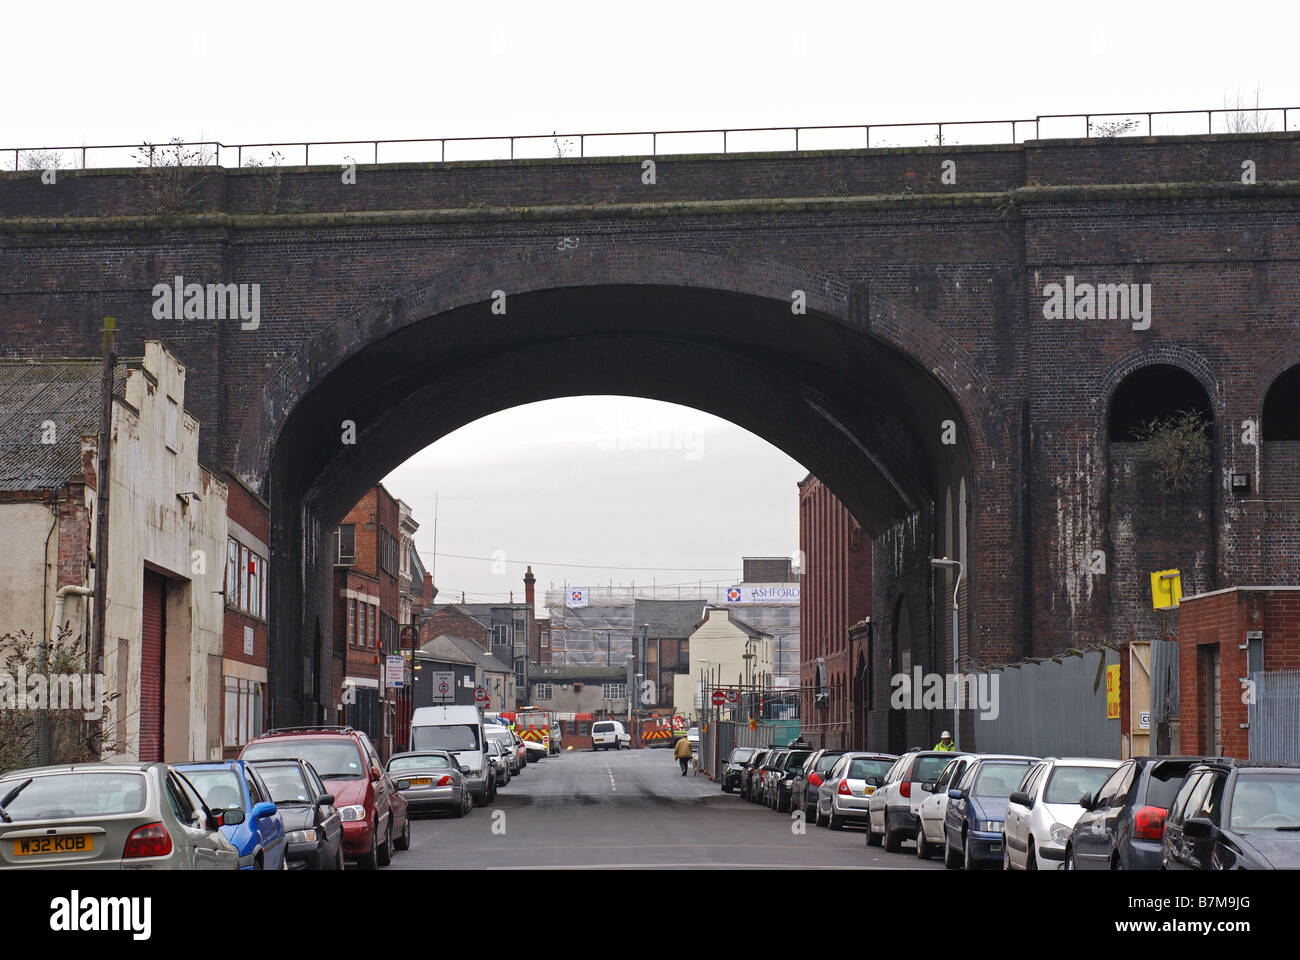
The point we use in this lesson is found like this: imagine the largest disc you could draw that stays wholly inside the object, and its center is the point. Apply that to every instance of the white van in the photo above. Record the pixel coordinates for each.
(459, 731)
(609, 733)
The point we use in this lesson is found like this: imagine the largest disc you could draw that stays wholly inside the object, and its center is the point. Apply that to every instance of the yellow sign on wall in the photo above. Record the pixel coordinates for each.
(1112, 691)
(1166, 589)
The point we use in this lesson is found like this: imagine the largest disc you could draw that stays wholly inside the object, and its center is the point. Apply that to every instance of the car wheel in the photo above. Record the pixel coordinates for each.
(257, 863)
(1031, 858)
(922, 845)
(1006, 854)
(338, 857)
(404, 841)
(836, 822)
(284, 862)
(386, 851)
(821, 820)
(1069, 859)
(460, 810)
(892, 840)
(371, 860)
(966, 862)
(951, 858)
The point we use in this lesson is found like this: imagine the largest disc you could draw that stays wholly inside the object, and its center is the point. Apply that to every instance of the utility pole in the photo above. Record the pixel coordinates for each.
(101, 509)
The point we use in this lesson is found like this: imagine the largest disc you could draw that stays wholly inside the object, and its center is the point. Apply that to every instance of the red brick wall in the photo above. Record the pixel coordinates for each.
(252, 514)
(1221, 619)
(448, 619)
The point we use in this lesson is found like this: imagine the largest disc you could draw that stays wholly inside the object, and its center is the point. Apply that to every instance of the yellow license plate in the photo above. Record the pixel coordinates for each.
(421, 781)
(73, 843)
(870, 790)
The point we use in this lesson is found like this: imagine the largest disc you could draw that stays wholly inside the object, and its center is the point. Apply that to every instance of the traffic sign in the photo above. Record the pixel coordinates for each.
(444, 685)
(733, 696)
(480, 694)
(719, 698)
(394, 672)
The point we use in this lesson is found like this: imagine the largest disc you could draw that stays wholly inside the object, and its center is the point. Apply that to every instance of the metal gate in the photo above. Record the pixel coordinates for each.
(1275, 717)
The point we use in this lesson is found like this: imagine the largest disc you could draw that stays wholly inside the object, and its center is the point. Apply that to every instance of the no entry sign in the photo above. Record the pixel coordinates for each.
(719, 698)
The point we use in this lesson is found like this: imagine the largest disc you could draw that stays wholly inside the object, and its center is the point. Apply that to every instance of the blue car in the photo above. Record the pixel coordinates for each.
(977, 809)
(236, 793)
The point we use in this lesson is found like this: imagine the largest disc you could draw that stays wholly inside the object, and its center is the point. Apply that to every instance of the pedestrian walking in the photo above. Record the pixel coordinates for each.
(683, 753)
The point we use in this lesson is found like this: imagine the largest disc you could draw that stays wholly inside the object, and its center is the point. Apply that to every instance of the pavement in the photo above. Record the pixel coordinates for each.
(632, 810)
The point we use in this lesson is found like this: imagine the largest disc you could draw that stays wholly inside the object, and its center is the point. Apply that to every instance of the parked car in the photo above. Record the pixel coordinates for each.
(1235, 815)
(500, 761)
(843, 796)
(249, 818)
(749, 775)
(977, 806)
(782, 780)
(803, 793)
(607, 734)
(535, 750)
(431, 780)
(758, 792)
(88, 816)
(313, 826)
(373, 813)
(1042, 810)
(459, 731)
(735, 767)
(894, 807)
(521, 751)
(1123, 824)
(929, 818)
(508, 750)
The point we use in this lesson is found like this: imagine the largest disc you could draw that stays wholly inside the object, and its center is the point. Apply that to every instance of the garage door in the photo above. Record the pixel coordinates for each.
(152, 631)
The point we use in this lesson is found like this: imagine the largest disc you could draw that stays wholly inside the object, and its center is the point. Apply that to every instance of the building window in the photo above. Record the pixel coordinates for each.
(254, 605)
(543, 691)
(243, 707)
(345, 545)
(173, 424)
(387, 552)
(546, 639)
(232, 572)
(501, 635)
(370, 636)
(613, 691)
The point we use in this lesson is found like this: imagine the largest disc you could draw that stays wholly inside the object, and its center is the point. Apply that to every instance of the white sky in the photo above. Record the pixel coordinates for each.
(540, 483)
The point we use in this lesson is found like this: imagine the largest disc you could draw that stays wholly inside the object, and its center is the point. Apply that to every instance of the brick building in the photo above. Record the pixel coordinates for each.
(834, 606)
(367, 605)
(1226, 637)
(245, 634)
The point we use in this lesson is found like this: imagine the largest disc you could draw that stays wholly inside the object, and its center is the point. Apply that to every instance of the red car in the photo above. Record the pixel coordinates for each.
(375, 820)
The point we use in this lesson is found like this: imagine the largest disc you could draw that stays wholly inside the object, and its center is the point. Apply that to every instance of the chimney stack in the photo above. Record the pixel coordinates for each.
(529, 580)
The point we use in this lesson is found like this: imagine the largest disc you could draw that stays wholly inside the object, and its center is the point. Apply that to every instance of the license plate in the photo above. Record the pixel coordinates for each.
(870, 790)
(73, 843)
(421, 781)
(995, 848)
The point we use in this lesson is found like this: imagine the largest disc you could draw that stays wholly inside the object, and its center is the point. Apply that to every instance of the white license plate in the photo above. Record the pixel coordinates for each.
(995, 848)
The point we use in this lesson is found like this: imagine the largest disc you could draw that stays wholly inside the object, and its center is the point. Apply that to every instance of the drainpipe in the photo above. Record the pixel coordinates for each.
(43, 746)
(65, 591)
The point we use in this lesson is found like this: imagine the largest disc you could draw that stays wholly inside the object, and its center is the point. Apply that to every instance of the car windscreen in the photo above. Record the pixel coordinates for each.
(796, 759)
(452, 736)
(998, 779)
(430, 762)
(1266, 802)
(827, 761)
(333, 759)
(1165, 781)
(741, 754)
(602, 728)
(1068, 784)
(62, 796)
(286, 783)
(862, 767)
(218, 788)
(929, 768)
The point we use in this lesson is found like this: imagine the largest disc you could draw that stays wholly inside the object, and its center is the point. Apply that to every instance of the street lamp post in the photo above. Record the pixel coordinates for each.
(936, 564)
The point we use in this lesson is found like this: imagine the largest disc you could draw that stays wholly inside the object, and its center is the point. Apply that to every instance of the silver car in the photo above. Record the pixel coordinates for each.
(506, 739)
(431, 780)
(133, 816)
(843, 796)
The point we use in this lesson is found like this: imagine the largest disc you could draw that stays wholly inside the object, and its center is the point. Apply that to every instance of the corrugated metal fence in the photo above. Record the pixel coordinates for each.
(1275, 717)
(1052, 708)
(1164, 695)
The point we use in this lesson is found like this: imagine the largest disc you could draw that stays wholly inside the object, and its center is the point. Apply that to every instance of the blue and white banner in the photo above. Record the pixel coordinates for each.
(577, 597)
(776, 593)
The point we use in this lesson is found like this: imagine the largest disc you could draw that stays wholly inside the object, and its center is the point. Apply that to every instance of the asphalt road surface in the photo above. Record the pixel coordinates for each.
(631, 809)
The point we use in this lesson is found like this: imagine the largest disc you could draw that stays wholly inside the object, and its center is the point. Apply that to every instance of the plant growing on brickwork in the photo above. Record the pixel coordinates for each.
(266, 186)
(73, 738)
(1176, 449)
(1107, 129)
(170, 180)
(43, 160)
(1244, 117)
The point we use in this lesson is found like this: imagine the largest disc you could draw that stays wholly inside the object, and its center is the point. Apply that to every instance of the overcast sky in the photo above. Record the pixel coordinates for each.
(554, 483)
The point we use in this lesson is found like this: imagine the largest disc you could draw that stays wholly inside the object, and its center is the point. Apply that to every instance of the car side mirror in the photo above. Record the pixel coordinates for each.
(231, 818)
(465, 769)
(325, 801)
(403, 784)
(875, 781)
(1022, 798)
(956, 794)
(928, 786)
(1088, 801)
(1198, 827)
(263, 809)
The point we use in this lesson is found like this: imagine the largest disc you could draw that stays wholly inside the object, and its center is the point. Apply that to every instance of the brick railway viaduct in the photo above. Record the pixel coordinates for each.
(923, 383)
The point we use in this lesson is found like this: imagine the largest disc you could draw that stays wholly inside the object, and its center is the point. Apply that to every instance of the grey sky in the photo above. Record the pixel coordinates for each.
(535, 482)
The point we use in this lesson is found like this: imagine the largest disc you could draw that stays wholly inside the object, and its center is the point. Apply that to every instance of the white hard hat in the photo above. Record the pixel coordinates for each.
(946, 735)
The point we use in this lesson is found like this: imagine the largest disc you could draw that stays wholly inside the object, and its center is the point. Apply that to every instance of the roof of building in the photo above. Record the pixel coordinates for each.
(489, 662)
(668, 619)
(482, 612)
(444, 649)
(748, 628)
(64, 392)
(417, 568)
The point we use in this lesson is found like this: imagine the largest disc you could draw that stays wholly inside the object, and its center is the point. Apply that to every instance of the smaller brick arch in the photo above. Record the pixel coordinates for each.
(1169, 354)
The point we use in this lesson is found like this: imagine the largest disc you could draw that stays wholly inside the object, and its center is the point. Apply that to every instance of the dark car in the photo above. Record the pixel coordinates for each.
(1123, 825)
(803, 792)
(1235, 815)
(750, 773)
(782, 780)
(374, 813)
(312, 824)
(977, 810)
(758, 789)
(735, 767)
